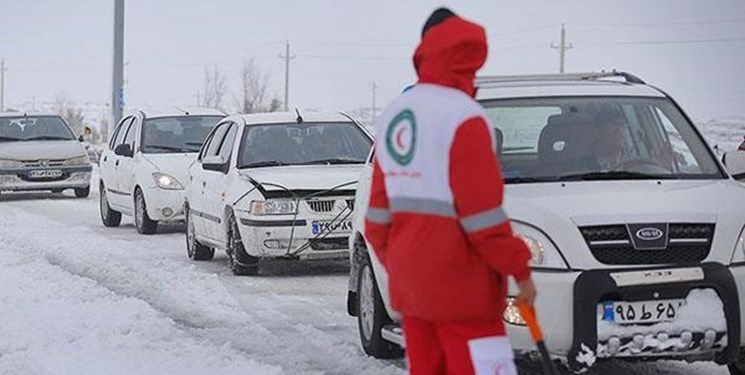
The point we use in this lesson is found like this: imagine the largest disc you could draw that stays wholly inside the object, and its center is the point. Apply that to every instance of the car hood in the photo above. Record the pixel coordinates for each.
(305, 177)
(558, 209)
(35, 150)
(176, 165)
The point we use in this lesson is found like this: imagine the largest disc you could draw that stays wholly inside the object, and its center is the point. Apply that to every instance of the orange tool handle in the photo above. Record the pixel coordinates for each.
(528, 314)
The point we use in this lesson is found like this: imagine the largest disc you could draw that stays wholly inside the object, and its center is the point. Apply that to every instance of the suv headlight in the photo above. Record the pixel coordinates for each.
(544, 253)
(166, 181)
(80, 160)
(739, 254)
(273, 207)
(7, 163)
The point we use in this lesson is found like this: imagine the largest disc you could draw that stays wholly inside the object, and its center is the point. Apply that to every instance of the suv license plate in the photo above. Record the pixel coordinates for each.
(642, 311)
(46, 173)
(326, 226)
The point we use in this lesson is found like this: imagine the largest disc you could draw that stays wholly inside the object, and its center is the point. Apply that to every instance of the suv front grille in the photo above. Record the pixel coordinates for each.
(612, 244)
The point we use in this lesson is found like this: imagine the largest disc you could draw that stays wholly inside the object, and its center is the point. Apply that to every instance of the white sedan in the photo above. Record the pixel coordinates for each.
(277, 185)
(143, 169)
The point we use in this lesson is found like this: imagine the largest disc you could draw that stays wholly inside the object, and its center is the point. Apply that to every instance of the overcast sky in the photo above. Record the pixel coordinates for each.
(691, 48)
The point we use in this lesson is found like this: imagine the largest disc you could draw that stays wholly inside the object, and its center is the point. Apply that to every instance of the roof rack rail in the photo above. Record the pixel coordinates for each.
(560, 77)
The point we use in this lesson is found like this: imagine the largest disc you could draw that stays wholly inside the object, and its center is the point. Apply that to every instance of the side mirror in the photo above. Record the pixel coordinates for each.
(124, 150)
(735, 163)
(81, 139)
(214, 163)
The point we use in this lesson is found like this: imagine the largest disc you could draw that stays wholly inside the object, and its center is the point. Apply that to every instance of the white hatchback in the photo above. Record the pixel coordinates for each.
(144, 168)
(276, 185)
(636, 229)
(41, 152)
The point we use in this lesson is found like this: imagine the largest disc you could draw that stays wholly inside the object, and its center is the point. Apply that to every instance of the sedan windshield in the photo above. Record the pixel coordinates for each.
(176, 134)
(303, 143)
(609, 138)
(34, 128)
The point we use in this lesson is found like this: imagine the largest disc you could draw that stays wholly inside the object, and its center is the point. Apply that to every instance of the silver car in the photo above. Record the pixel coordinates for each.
(41, 152)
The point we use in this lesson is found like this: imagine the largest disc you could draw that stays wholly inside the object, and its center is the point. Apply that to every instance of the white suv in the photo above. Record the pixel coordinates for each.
(636, 229)
(143, 170)
(40, 152)
(277, 185)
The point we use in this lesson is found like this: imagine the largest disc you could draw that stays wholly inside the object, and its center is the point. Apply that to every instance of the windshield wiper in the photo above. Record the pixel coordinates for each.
(9, 139)
(260, 164)
(525, 180)
(48, 138)
(334, 161)
(612, 175)
(168, 148)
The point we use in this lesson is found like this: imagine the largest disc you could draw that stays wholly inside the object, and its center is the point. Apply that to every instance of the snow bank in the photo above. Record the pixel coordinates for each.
(61, 323)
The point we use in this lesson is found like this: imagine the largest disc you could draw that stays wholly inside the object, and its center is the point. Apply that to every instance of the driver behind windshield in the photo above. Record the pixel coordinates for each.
(609, 148)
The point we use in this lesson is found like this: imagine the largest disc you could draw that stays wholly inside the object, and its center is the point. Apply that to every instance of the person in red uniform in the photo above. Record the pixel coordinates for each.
(435, 217)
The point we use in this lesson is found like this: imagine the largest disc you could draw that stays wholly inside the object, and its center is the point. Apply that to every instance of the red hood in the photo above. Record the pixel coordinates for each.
(450, 54)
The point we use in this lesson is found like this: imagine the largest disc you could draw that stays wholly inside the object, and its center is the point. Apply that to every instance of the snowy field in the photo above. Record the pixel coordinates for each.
(78, 298)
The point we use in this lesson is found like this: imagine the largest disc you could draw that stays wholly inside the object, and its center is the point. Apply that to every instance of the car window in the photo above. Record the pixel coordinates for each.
(122, 131)
(176, 134)
(216, 140)
(131, 135)
(550, 139)
(303, 143)
(227, 144)
(34, 128)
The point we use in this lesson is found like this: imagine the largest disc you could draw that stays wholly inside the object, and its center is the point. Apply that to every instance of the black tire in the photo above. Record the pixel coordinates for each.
(82, 192)
(371, 315)
(143, 223)
(194, 249)
(109, 217)
(738, 367)
(239, 261)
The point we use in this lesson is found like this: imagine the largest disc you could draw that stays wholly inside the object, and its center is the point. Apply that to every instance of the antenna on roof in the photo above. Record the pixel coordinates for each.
(183, 110)
(299, 118)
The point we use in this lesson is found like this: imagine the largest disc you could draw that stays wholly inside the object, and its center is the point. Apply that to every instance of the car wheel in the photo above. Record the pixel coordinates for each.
(194, 248)
(239, 261)
(738, 367)
(83, 192)
(109, 217)
(371, 315)
(144, 224)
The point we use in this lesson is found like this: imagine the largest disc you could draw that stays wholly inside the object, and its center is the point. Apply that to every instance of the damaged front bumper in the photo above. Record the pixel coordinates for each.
(595, 338)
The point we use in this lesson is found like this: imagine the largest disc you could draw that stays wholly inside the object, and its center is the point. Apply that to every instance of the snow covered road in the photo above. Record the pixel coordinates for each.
(78, 298)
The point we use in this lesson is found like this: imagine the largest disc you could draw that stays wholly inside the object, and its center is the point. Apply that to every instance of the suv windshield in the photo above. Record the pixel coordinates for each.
(303, 143)
(592, 138)
(34, 128)
(176, 134)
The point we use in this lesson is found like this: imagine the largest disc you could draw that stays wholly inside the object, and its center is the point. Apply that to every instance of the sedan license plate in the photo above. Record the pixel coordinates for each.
(642, 311)
(46, 173)
(324, 227)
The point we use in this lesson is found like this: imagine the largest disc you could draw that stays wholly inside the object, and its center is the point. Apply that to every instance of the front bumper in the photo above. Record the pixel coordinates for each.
(77, 177)
(165, 205)
(568, 312)
(291, 238)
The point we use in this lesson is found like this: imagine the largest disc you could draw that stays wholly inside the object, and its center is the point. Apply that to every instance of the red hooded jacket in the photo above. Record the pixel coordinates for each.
(435, 218)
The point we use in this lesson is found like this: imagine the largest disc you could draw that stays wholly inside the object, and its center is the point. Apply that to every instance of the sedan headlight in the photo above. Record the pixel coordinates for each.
(166, 181)
(739, 255)
(273, 207)
(80, 160)
(8, 164)
(544, 253)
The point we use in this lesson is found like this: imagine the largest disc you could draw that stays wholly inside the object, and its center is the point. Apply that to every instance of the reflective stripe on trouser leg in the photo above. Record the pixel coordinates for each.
(492, 356)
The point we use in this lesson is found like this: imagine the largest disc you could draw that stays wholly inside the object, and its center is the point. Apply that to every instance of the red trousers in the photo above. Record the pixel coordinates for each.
(461, 348)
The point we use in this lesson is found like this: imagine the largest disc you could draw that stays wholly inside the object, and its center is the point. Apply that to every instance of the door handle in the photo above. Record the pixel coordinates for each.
(204, 183)
(117, 162)
(105, 158)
